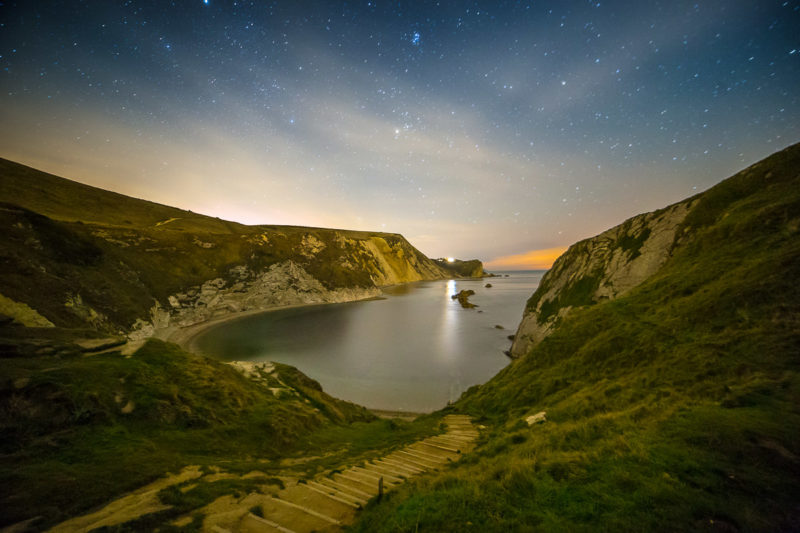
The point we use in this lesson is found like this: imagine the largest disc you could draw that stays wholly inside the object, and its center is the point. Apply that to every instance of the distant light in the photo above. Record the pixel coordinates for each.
(205, 2)
(451, 259)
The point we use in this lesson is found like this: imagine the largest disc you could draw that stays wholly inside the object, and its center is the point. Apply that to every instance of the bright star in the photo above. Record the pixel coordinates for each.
(415, 38)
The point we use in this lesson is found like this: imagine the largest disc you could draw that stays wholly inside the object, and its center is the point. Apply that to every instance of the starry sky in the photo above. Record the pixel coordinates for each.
(501, 130)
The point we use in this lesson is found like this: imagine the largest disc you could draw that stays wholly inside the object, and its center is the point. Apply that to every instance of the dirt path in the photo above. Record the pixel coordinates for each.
(325, 503)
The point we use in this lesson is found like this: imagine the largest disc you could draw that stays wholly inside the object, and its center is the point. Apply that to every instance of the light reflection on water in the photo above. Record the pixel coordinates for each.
(415, 350)
(448, 326)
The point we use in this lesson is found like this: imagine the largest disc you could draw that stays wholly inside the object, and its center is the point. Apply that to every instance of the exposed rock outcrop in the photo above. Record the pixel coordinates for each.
(283, 284)
(463, 298)
(76, 256)
(23, 314)
(600, 268)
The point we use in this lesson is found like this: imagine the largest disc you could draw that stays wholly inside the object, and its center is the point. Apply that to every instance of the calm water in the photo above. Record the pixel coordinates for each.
(415, 350)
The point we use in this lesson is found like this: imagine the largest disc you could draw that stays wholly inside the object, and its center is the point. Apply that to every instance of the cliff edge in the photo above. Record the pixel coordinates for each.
(77, 256)
(613, 263)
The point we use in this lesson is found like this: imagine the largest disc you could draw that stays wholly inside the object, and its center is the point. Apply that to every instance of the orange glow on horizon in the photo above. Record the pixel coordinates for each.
(533, 260)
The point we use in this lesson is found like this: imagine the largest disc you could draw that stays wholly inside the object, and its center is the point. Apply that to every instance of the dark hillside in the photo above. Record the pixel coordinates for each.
(78, 256)
(78, 431)
(675, 407)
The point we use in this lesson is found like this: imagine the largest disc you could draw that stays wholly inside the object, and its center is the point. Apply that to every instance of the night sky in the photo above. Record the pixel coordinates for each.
(476, 129)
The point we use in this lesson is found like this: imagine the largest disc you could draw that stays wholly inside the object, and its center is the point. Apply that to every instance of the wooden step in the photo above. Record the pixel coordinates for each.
(369, 485)
(347, 496)
(392, 463)
(386, 472)
(307, 511)
(369, 478)
(416, 456)
(333, 495)
(387, 478)
(342, 487)
(341, 491)
(457, 444)
(449, 437)
(435, 454)
(427, 442)
(399, 455)
(465, 434)
(305, 496)
(254, 523)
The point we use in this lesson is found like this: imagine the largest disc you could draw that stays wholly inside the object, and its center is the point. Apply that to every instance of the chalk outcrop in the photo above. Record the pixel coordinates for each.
(76, 256)
(600, 268)
(282, 284)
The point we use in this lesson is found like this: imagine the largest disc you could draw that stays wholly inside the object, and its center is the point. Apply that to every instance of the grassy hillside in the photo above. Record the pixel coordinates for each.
(675, 407)
(80, 430)
(472, 268)
(81, 256)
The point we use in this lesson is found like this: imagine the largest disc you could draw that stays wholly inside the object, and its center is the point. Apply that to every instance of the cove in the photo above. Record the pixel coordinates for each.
(414, 350)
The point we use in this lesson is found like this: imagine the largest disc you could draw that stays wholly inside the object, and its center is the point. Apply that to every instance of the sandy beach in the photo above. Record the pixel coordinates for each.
(185, 336)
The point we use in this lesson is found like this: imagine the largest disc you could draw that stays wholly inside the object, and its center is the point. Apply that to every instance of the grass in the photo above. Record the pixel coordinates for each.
(633, 243)
(121, 255)
(472, 268)
(675, 407)
(68, 446)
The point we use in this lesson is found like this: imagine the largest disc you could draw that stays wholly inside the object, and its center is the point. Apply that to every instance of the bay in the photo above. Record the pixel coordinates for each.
(414, 350)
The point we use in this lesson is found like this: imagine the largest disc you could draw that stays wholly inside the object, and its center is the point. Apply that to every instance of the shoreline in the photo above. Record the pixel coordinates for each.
(185, 336)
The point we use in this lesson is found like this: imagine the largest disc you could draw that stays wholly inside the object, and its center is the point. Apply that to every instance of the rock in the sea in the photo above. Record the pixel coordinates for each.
(463, 298)
(498, 326)
(488, 285)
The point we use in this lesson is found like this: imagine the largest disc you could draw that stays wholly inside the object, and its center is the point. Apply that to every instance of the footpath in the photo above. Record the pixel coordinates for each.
(325, 503)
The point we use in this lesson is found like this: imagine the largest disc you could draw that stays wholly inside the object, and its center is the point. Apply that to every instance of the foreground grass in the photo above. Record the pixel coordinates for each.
(673, 408)
(78, 431)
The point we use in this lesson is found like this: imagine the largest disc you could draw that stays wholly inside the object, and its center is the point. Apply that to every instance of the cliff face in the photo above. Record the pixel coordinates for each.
(472, 268)
(77, 256)
(613, 263)
(600, 268)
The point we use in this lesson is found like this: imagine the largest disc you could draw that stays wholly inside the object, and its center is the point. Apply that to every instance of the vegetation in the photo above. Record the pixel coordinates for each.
(85, 257)
(472, 268)
(80, 430)
(463, 298)
(578, 293)
(675, 407)
(633, 243)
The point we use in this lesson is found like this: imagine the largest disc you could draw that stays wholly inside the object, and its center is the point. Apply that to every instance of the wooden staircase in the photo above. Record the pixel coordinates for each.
(331, 501)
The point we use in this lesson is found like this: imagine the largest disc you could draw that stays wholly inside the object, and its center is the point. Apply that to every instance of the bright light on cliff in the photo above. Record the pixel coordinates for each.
(451, 259)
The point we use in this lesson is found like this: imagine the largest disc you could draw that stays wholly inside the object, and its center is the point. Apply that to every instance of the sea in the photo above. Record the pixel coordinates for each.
(413, 350)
